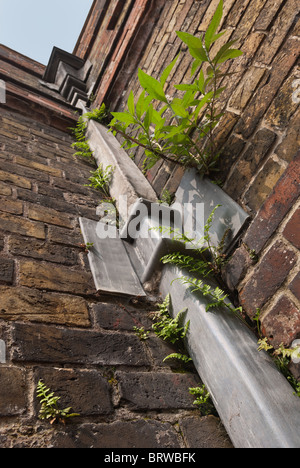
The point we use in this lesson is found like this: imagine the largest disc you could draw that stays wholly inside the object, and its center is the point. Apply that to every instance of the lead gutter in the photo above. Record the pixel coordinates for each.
(254, 400)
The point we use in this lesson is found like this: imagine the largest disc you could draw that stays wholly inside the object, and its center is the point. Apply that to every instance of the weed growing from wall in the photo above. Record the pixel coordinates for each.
(180, 130)
(49, 406)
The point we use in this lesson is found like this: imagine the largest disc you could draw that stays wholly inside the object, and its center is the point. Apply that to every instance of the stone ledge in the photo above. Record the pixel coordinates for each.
(127, 179)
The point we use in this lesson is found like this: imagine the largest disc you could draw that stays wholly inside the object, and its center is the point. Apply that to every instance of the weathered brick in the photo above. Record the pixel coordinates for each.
(290, 143)
(277, 205)
(55, 277)
(204, 432)
(278, 31)
(12, 389)
(49, 202)
(117, 317)
(21, 174)
(267, 277)
(42, 343)
(292, 229)
(236, 268)
(26, 304)
(45, 189)
(39, 167)
(51, 216)
(78, 188)
(159, 349)
(249, 162)
(140, 433)
(267, 14)
(263, 184)
(74, 389)
(228, 156)
(14, 179)
(64, 236)
(7, 267)
(41, 250)
(11, 206)
(149, 391)
(246, 88)
(282, 323)
(5, 189)
(22, 226)
(295, 286)
(262, 99)
(283, 106)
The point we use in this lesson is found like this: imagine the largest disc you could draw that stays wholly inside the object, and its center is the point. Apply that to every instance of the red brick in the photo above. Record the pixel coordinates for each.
(282, 323)
(236, 268)
(268, 276)
(292, 229)
(280, 201)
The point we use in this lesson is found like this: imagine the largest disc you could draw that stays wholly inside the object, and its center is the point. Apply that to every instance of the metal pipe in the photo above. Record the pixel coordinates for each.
(254, 400)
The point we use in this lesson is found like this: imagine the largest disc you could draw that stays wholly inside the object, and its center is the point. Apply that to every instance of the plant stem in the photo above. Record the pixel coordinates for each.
(153, 150)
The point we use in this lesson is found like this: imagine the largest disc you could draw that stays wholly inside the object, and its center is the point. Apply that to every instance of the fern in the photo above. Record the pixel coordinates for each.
(203, 400)
(190, 263)
(181, 357)
(49, 407)
(170, 329)
(101, 178)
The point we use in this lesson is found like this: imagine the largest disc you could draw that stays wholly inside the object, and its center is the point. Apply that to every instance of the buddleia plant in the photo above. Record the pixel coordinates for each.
(180, 129)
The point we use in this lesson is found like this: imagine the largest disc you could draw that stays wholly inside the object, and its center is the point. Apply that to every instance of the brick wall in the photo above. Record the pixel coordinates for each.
(56, 328)
(258, 138)
(54, 325)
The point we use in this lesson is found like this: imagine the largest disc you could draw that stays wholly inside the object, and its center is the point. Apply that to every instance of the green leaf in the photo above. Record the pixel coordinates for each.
(196, 64)
(189, 39)
(186, 87)
(153, 87)
(166, 73)
(202, 103)
(179, 108)
(201, 82)
(223, 49)
(139, 105)
(157, 119)
(212, 28)
(217, 36)
(124, 117)
(148, 117)
(230, 54)
(130, 103)
(199, 54)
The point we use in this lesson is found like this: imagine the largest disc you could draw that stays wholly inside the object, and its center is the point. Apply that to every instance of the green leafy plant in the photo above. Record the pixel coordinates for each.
(166, 198)
(180, 129)
(203, 400)
(101, 179)
(205, 263)
(49, 407)
(141, 333)
(168, 328)
(179, 357)
(102, 116)
(171, 329)
(282, 357)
